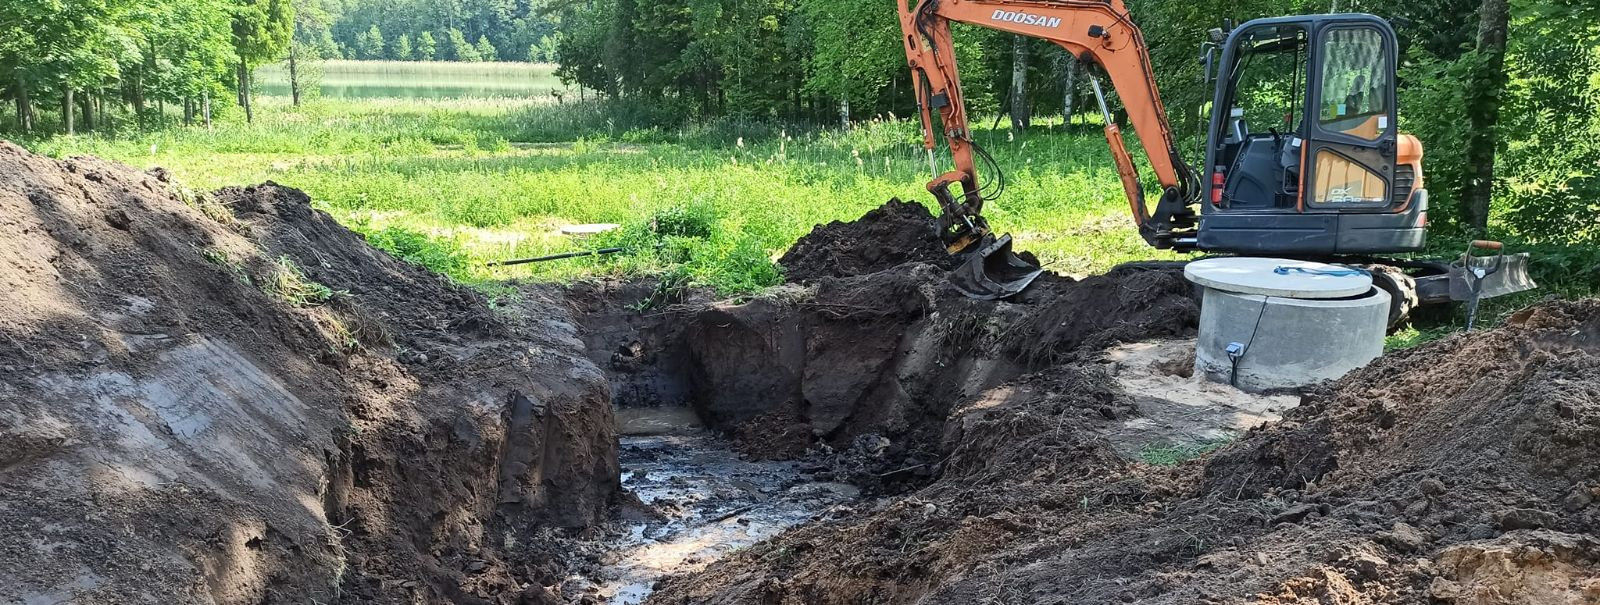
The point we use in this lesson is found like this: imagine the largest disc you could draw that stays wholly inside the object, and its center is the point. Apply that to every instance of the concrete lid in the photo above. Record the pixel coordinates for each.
(1301, 279)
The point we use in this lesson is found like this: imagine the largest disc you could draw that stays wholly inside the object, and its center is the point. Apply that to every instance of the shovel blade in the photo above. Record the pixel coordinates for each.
(993, 271)
(1510, 277)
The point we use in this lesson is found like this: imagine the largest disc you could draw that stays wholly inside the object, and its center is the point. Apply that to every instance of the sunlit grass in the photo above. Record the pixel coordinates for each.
(497, 178)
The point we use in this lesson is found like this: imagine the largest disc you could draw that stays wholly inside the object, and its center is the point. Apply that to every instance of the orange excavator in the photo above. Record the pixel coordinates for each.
(1302, 156)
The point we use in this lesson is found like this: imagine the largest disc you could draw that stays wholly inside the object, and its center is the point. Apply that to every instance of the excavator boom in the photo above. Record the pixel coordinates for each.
(1094, 31)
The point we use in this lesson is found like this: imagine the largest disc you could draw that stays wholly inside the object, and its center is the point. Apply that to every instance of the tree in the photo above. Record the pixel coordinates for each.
(460, 49)
(486, 51)
(373, 43)
(1488, 85)
(402, 48)
(426, 46)
(547, 46)
(261, 31)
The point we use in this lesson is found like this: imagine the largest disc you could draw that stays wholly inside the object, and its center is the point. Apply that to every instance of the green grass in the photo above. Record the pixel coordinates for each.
(454, 184)
(1178, 453)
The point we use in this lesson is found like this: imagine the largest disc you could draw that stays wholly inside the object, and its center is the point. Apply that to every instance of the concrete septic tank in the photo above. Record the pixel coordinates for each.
(1271, 323)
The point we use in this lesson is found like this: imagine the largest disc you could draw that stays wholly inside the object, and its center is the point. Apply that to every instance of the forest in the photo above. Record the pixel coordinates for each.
(1505, 93)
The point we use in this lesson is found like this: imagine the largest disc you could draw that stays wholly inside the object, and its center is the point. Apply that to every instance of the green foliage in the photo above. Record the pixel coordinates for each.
(1549, 181)
(261, 29)
(1433, 107)
(1178, 453)
(486, 51)
(444, 256)
(402, 48)
(426, 47)
(460, 49)
(369, 44)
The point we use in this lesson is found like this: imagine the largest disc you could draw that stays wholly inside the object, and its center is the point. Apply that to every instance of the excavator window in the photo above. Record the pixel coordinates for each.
(1355, 93)
(1269, 78)
(1266, 97)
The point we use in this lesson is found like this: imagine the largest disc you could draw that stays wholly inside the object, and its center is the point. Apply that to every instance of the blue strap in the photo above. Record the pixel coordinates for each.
(1283, 270)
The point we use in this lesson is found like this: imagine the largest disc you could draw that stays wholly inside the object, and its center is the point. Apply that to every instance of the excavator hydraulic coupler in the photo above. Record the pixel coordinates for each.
(992, 271)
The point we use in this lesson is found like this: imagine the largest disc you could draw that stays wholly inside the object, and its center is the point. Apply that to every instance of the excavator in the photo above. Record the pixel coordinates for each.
(1302, 156)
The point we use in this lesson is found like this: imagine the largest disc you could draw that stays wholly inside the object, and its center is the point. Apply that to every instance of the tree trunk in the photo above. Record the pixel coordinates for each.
(1019, 83)
(87, 103)
(24, 105)
(188, 111)
(205, 107)
(294, 74)
(1483, 113)
(244, 91)
(844, 113)
(138, 98)
(66, 108)
(1069, 89)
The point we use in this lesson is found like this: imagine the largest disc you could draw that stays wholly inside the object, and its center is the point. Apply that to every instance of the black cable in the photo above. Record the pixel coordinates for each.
(1233, 374)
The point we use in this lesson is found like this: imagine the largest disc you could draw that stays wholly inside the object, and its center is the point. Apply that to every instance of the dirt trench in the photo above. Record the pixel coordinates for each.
(1005, 449)
(1463, 472)
(229, 398)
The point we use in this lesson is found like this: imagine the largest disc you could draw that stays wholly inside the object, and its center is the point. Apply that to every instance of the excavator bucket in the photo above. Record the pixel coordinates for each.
(992, 271)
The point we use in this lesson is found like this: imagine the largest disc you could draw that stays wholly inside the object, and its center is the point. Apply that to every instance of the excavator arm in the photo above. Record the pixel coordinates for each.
(1094, 31)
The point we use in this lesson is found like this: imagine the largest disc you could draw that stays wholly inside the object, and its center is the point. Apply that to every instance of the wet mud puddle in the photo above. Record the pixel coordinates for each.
(702, 501)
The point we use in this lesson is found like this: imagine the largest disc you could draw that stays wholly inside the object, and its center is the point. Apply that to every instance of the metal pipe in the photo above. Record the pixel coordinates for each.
(540, 259)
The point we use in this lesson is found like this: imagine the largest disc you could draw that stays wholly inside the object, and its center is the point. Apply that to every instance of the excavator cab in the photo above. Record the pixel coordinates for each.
(1304, 154)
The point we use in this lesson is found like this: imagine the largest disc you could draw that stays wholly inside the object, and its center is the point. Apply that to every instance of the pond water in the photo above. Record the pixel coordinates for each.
(419, 80)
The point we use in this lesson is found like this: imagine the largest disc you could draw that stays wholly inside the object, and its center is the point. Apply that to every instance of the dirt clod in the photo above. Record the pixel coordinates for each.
(893, 234)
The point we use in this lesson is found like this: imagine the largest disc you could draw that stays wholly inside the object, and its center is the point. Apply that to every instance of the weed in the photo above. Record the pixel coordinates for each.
(1411, 336)
(220, 258)
(441, 255)
(1178, 453)
(289, 284)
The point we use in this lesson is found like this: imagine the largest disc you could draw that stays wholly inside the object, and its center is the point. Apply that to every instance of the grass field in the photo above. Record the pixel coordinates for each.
(457, 183)
(496, 178)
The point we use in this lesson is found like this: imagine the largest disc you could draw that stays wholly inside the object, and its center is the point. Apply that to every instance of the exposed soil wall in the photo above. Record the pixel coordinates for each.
(1463, 471)
(867, 350)
(186, 418)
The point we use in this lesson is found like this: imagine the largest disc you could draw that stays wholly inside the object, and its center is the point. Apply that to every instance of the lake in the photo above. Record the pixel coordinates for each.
(420, 80)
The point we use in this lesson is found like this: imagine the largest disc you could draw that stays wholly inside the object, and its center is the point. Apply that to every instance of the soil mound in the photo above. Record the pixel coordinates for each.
(230, 398)
(892, 234)
(1464, 472)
